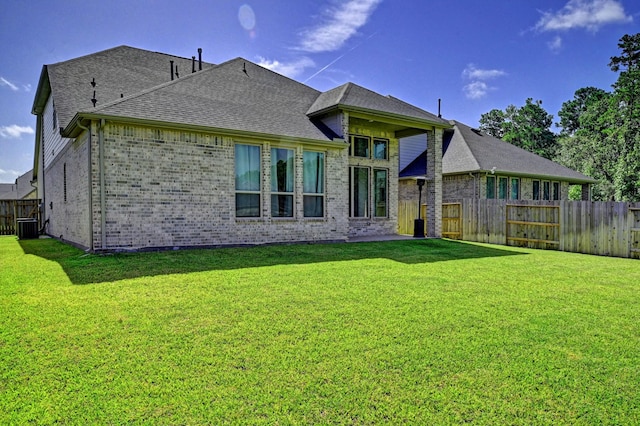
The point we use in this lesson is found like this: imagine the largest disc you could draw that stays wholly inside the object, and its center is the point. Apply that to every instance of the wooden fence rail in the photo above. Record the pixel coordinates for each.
(11, 210)
(601, 228)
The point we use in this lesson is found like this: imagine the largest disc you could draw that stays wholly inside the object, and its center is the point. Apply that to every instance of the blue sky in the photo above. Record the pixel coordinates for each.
(474, 55)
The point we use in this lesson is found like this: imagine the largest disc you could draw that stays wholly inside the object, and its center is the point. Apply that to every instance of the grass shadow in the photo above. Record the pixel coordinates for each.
(82, 268)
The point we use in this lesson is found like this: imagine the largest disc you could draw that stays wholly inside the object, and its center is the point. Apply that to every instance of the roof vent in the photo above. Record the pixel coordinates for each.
(94, 100)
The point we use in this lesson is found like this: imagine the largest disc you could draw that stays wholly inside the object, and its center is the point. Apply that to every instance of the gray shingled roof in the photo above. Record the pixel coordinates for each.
(118, 71)
(237, 95)
(351, 95)
(471, 150)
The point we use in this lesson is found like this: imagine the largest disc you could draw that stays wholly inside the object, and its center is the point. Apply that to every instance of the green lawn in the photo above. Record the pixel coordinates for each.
(402, 332)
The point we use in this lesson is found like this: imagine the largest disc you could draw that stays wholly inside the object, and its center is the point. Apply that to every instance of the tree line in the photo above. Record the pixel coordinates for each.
(599, 130)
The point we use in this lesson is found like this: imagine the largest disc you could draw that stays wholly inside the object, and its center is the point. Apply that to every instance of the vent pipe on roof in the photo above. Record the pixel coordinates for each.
(94, 100)
(199, 58)
(171, 69)
(439, 103)
(193, 64)
(177, 75)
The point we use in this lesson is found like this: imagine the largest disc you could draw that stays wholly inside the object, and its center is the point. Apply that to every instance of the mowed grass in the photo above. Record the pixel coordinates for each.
(402, 332)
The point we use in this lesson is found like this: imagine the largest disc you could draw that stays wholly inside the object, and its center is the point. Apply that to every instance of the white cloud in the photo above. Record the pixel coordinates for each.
(290, 69)
(15, 131)
(476, 89)
(555, 45)
(473, 73)
(589, 14)
(339, 25)
(10, 85)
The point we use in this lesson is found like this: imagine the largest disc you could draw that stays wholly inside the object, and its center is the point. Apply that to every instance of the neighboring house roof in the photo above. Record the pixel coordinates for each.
(122, 70)
(8, 191)
(19, 190)
(350, 96)
(468, 150)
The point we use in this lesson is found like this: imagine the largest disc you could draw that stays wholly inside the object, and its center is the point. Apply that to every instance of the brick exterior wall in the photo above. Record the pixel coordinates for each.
(457, 187)
(68, 214)
(168, 188)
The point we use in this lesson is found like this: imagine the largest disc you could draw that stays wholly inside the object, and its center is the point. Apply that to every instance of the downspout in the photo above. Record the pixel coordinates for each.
(89, 189)
(103, 201)
(43, 209)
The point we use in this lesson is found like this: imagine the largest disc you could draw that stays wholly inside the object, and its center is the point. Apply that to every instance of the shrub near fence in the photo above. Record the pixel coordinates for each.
(601, 228)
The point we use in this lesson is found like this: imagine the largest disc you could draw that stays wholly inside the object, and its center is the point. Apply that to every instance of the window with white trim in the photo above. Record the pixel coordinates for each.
(360, 146)
(359, 192)
(515, 189)
(282, 182)
(380, 149)
(380, 180)
(503, 188)
(313, 183)
(491, 187)
(247, 175)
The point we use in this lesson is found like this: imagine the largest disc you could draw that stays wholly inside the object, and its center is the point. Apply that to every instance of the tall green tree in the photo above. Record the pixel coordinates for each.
(586, 141)
(627, 109)
(527, 127)
(601, 131)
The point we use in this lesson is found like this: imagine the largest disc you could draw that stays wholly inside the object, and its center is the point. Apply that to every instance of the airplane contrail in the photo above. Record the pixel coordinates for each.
(340, 57)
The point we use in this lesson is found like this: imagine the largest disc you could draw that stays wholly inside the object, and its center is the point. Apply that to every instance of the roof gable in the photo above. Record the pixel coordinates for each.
(237, 95)
(354, 97)
(116, 72)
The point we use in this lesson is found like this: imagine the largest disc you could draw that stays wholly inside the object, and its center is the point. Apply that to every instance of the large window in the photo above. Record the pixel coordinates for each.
(247, 158)
(313, 182)
(282, 182)
(359, 192)
(380, 192)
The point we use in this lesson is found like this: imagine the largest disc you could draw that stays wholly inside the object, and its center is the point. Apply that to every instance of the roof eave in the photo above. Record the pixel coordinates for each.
(387, 116)
(42, 92)
(525, 175)
(74, 129)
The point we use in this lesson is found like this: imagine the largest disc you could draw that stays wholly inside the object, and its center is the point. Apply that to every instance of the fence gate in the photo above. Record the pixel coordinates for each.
(533, 226)
(452, 220)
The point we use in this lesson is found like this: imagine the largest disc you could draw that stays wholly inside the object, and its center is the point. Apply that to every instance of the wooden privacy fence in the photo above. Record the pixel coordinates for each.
(11, 210)
(602, 228)
(407, 213)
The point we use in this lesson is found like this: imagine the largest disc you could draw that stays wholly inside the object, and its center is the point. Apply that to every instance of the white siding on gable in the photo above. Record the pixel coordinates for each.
(334, 122)
(411, 147)
(52, 141)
